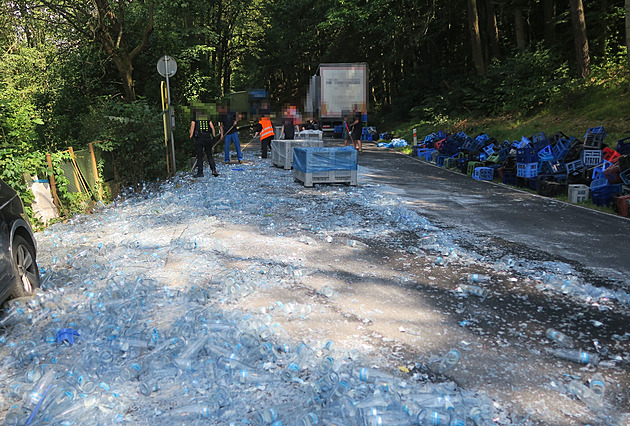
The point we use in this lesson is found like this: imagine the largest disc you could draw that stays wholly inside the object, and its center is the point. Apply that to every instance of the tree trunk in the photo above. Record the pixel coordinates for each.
(628, 30)
(475, 37)
(549, 10)
(493, 30)
(519, 27)
(581, 40)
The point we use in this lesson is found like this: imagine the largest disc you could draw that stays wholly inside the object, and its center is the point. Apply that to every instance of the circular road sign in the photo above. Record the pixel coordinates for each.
(166, 66)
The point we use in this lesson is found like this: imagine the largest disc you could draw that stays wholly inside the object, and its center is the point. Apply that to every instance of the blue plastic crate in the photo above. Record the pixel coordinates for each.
(526, 170)
(599, 183)
(483, 173)
(623, 146)
(552, 167)
(574, 166)
(526, 155)
(596, 131)
(625, 176)
(539, 138)
(483, 138)
(429, 137)
(503, 153)
(598, 172)
(427, 155)
(439, 161)
(489, 149)
(602, 196)
(472, 145)
(442, 134)
(545, 152)
(560, 149)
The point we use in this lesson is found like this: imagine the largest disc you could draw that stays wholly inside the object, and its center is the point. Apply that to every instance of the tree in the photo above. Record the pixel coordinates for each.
(475, 37)
(580, 38)
(628, 30)
(121, 28)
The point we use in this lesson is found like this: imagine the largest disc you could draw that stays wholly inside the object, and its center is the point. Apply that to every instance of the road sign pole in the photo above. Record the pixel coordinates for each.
(171, 115)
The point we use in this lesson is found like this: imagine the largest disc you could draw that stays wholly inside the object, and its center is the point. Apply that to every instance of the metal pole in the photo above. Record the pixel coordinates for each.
(162, 94)
(95, 171)
(168, 97)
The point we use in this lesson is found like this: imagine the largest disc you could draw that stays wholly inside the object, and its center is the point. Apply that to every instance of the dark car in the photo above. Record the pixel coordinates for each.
(19, 274)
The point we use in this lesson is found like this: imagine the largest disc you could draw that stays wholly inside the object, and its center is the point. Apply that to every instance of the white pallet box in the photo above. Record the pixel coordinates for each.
(339, 165)
(282, 150)
(348, 177)
(578, 193)
(310, 134)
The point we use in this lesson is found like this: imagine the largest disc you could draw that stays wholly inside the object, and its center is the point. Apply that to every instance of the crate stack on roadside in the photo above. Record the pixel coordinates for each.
(558, 165)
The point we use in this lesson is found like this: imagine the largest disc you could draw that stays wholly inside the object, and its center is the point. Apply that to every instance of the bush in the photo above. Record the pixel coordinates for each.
(133, 133)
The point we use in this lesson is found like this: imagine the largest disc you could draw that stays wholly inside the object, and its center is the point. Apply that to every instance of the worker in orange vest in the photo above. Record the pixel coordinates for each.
(264, 128)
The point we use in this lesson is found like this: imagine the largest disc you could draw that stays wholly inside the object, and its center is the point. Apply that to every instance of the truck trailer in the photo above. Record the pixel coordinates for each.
(337, 90)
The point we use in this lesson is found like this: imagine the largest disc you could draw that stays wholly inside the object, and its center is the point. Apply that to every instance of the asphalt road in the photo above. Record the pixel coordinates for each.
(592, 241)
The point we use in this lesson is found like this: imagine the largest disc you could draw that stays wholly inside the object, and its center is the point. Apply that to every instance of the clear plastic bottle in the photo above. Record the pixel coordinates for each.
(202, 410)
(559, 338)
(598, 385)
(585, 394)
(253, 376)
(478, 278)
(433, 418)
(575, 355)
(369, 375)
(449, 361)
(473, 290)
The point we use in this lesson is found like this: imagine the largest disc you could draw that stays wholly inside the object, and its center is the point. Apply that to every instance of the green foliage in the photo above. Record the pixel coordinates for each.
(133, 132)
(518, 84)
(22, 79)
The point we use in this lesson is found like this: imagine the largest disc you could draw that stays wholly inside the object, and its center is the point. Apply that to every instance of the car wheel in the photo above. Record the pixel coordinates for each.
(28, 272)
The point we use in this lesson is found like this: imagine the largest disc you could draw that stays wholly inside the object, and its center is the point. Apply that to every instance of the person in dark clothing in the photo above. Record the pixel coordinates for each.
(288, 126)
(202, 132)
(357, 130)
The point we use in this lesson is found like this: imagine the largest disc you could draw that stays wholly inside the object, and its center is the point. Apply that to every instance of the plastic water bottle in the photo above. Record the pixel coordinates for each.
(192, 411)
(433, 418)
(585, 394)
(477, 278)
(576, 356)
(449, 361)
(559, 338)
(473, 290)
(247, 376)
(597, 385)
(369, 375)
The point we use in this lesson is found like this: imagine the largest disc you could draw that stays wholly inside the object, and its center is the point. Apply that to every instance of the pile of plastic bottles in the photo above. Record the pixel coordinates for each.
(119, 352)
(106, 341)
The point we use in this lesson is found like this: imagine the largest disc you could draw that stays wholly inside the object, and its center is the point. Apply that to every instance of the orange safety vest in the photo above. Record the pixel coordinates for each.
(267, 128)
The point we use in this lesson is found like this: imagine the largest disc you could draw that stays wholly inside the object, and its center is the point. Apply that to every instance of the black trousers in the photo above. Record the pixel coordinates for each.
(204, 145)
(265, 144)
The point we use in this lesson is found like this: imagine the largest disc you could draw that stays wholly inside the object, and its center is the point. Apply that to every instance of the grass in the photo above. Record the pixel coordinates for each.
(598, 103)
(603, 101)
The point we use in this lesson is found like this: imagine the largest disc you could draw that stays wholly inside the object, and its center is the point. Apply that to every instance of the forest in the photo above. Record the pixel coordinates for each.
(79, 71)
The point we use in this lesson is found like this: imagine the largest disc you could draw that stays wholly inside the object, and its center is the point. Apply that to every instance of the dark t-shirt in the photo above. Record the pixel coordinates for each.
(289, 128)
(358, 128)
(228, 120)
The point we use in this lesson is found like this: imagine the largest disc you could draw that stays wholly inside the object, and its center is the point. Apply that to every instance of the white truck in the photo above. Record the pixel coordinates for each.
(336, 91)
